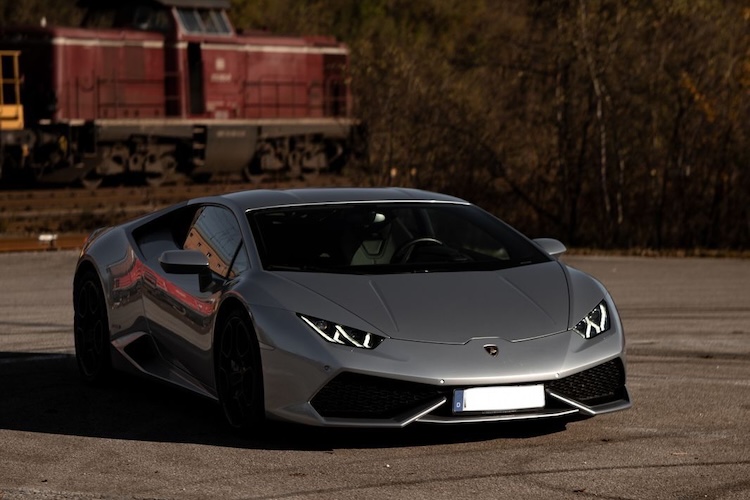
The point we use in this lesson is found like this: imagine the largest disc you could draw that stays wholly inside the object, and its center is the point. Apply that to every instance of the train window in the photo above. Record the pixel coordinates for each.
(223, 21)
(189, 20)
(216, 21)
(149, 19)
(208, 21)
(9, 78)
(196, 21)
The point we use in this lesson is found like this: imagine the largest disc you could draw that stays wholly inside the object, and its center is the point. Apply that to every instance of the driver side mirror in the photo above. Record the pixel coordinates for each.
(551, 246)
(187, 262)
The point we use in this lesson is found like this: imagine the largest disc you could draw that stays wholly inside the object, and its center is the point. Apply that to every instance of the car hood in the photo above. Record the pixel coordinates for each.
(450, 307)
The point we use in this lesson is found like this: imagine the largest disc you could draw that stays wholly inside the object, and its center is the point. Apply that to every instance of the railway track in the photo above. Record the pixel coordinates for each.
(72, 213)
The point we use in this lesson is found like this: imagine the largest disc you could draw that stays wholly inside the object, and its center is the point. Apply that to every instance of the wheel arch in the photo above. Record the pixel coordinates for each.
(234, 305)
(84, 267)
(94, 363)
(229, 305)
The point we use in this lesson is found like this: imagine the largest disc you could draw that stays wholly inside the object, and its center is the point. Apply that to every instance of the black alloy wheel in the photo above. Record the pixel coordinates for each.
(91, 330)
(239, 379)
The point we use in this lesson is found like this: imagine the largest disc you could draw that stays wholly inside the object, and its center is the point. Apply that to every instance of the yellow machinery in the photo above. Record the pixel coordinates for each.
(11, 110)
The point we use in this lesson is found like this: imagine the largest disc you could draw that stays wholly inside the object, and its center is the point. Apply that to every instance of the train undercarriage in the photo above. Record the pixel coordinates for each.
(116, 152)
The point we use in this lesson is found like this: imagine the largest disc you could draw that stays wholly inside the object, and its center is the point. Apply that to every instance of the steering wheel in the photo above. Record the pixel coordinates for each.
(402, 255)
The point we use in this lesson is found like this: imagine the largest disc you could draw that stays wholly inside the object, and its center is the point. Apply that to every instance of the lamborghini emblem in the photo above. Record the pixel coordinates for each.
(491, 349)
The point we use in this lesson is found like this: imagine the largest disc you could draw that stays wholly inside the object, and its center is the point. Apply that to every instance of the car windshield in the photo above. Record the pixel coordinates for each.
(383, 238)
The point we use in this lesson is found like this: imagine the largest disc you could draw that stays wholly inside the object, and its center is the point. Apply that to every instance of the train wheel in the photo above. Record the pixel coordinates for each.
(252, 172)
(294, 160)
(92, 180)
(159, 170)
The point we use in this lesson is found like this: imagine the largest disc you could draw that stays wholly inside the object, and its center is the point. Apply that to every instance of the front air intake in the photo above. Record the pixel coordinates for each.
(352, 395)
(598, 385)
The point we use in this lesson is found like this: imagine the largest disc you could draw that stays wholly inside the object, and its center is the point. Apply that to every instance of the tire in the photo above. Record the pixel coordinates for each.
(239, 376)
(91, 330)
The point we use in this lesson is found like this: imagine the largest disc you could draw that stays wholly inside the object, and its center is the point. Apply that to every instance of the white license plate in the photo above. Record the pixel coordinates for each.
(505, 398)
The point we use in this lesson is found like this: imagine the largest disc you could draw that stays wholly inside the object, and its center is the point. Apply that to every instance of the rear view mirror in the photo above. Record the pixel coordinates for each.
(551, 246)
(187, 262)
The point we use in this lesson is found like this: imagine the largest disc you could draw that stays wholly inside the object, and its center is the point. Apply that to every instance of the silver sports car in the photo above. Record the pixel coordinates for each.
(349, 307)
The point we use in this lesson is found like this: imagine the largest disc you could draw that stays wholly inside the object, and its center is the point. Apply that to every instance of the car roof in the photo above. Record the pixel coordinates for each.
(262, 198)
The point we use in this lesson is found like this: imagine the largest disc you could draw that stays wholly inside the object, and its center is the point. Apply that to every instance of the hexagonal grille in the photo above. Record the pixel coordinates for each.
(597, 385)
(352, 395)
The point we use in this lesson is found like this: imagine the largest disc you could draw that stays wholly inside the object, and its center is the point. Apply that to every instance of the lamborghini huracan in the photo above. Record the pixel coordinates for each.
(351, 308)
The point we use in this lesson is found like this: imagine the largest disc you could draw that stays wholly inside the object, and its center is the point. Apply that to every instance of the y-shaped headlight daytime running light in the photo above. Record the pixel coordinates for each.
(595, 322)
(344, 335)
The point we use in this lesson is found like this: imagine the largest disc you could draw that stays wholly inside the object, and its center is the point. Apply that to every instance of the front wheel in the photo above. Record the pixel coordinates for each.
(239, 377)
(91, 330)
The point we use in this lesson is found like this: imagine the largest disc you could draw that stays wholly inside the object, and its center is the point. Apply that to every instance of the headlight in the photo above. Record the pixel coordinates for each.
(344, 335)
(595, 322)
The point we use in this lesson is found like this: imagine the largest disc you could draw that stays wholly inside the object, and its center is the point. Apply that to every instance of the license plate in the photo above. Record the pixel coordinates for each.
(504, 398)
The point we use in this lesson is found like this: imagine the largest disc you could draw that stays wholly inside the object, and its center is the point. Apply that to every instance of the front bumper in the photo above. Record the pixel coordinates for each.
(352, 399)
(310, 381)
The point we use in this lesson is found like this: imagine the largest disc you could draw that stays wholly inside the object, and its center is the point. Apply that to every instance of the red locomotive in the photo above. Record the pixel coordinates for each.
(147, 88)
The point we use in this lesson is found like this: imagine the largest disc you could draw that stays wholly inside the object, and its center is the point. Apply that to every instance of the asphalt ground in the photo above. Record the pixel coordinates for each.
(687, 435)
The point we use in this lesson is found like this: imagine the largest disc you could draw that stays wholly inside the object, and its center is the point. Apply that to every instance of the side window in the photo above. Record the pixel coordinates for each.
(216, 234)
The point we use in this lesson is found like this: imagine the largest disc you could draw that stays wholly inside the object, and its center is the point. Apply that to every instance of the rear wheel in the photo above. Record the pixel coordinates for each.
(239, 378)
(91, 330)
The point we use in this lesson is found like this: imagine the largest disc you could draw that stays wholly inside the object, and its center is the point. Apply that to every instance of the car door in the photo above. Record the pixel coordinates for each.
(181, 314)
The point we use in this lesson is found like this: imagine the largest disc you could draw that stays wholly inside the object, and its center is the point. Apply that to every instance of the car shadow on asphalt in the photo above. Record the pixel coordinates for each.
(44, 393)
